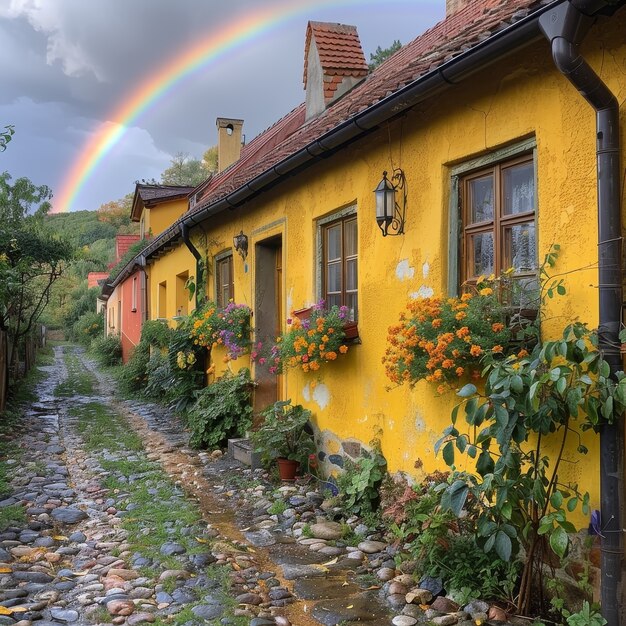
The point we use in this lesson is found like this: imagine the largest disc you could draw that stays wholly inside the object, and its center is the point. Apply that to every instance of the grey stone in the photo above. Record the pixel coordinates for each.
(260, 538)
(434, 585)
(171, 549)
(327, 530)
(78, 537)
(64, 615)
(371, 547)
(208, 611)
(68, 515)
(33, 577)
(403, 620)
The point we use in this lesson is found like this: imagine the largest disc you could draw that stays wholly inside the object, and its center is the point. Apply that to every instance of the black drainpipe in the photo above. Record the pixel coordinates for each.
(184, 232)
(565, 26)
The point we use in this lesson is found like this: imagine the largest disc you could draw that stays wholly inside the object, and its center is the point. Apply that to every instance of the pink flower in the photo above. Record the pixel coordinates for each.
(262, 361)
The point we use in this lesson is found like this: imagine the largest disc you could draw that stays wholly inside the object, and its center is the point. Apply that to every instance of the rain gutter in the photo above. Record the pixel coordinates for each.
(565, 26)
(464, 65)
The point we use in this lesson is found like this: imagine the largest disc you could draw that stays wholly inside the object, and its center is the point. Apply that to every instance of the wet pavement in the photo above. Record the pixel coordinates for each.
(92, 479)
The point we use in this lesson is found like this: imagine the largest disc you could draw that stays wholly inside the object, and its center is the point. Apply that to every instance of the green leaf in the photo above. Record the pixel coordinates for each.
(556, 500)
(485, 463)
(503, 545)
(559, 541)
(517, 384)
(448, 453)
(466, 391)
(455, 496)
(560, 290)
(604, 369)
(571, 504)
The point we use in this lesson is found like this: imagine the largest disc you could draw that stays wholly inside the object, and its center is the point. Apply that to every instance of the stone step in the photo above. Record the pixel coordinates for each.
(241, 450)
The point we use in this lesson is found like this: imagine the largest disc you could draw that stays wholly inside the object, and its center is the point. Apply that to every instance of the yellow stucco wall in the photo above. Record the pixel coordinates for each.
(514, 100)
(166, 298)
(158, 217)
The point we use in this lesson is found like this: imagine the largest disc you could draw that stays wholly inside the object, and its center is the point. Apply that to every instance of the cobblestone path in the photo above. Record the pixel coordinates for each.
(111, 518)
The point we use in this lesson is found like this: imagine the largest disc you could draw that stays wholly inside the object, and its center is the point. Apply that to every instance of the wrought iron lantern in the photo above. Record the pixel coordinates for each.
(390, 213)
(240, 242)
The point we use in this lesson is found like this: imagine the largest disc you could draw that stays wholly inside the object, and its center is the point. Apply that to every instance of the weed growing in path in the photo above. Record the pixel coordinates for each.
(79, 381)
(11, 515)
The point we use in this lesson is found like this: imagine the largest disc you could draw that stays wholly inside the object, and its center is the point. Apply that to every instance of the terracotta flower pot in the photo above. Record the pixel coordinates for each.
(287, 468)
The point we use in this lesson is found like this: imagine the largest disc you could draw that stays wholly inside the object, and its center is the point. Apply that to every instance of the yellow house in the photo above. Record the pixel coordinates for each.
(503, 150)
(155, 207)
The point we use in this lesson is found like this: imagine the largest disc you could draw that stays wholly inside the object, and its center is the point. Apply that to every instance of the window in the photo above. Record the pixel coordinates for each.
(225, 288)
(498, 217)
(133, 304)
(340, 263)
(162, 301)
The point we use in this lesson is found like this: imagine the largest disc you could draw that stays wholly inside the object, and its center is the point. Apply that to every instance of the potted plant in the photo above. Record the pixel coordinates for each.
(284, 436)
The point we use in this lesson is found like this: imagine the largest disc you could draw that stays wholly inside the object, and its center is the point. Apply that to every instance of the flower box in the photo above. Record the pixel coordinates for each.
(349, 328)
(352, 331)
(303, 314)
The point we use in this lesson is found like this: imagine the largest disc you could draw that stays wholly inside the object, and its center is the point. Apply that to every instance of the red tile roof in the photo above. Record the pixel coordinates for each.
(469, 26)
(339, 49)
(93, 278)
(254, 151)
(122, 244)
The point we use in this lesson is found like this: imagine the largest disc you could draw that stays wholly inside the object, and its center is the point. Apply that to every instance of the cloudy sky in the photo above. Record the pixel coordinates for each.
(67, 65)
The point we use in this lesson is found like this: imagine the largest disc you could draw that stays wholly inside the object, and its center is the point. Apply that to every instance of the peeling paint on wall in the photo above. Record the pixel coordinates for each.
(425, 270)
(404, 271)
(321, 395)
(422, 292)
(306, 393)
(420, 424)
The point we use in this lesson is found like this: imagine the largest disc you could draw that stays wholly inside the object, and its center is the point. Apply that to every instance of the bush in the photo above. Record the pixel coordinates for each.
(159, 376)
(222, 410)
(359, 484)
(107, 350)
(88, 327)
(133, 376)
(156, 333)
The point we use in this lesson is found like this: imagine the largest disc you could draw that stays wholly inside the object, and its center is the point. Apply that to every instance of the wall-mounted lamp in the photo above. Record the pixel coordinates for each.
(390, 213)
(240, 242)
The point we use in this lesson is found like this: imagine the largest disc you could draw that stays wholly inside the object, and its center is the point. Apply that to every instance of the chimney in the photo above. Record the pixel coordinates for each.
(452, 6)
(228, 142)
(333, 63)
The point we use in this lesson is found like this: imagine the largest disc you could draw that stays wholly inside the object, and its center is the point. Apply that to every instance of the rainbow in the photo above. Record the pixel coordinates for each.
(192, 59)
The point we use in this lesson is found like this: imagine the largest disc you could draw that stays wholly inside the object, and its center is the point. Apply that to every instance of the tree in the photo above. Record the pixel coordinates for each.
(5, 136)
(209, 160)
(116, 212)
(184, 171)
(31, 259)
(376, 58)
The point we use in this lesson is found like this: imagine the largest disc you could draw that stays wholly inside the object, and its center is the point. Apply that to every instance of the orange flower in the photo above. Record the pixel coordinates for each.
(497, 349)
(466, 297)
(331, 356)
(448, 364)
(459, 371)
(522, 353)
(462, 332)
(343, 349)
(486, 291)
(436, 323)
(441, 389)
(460, 315)
(497, 327)
(476, 350)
